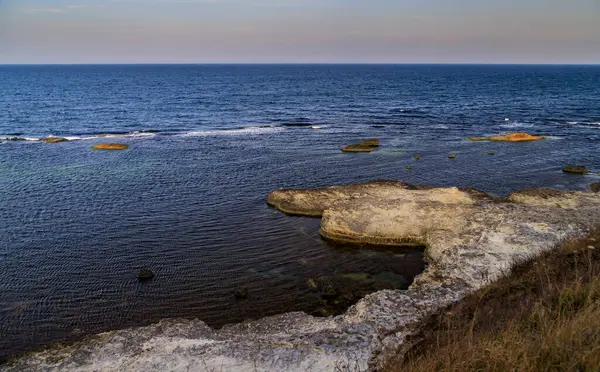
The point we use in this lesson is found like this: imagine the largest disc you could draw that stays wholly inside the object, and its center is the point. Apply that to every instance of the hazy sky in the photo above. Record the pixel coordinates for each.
(181, 31)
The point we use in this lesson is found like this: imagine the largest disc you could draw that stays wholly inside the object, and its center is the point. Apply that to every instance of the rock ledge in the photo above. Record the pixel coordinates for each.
(471, 239)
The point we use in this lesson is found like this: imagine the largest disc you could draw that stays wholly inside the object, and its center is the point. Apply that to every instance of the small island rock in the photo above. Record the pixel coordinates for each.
(358, 148)
(54, 139)
(512, 137)
(110, 146)
(578, 169)
(370, 143)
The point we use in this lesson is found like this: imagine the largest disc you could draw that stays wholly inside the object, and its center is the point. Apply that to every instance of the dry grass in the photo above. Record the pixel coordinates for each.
(545, 316)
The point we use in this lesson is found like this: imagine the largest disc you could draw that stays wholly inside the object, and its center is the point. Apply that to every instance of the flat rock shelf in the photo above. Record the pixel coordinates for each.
(470, 237)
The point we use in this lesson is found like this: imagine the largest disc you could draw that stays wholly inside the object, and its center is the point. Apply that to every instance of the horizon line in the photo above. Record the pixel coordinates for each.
(299, 63)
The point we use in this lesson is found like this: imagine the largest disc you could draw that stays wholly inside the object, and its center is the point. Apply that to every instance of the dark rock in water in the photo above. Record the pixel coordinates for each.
(595, 187)
(145, 274)
(14, 139)
(297, 125)
(417, 157)
(578, 169)
(241, 292)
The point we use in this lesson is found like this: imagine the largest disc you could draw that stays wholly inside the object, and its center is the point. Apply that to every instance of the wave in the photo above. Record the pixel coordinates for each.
(261, 129)
(255, 129)
(82, 137)
(516, 124)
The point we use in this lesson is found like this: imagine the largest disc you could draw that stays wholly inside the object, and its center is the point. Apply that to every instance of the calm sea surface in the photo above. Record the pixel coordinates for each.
(207, 145)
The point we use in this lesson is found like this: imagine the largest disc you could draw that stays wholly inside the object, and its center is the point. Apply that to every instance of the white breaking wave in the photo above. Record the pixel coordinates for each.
(79, 138)
(572, 122)
(516, 124)
(235, 132)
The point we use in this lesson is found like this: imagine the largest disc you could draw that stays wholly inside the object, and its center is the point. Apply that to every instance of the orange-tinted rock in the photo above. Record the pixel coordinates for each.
(110, 146)
(370, 143)
(512, 137)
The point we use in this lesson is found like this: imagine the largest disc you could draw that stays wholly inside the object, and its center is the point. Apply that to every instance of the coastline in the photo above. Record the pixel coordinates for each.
(474, 240)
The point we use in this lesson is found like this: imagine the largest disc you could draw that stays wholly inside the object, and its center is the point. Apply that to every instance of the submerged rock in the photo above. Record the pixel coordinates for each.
(595, 187)
(578, 169)
(54, 139)
(145, 274)
(512, 137)
(241, 293)
(471, 239)
(110, 146)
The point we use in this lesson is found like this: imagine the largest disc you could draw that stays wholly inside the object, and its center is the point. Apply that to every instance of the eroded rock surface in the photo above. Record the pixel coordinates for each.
(511, 137)
(471, 239)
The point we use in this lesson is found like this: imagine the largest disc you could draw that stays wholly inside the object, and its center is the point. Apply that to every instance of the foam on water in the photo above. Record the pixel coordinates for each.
(516, 124)
(235, 132)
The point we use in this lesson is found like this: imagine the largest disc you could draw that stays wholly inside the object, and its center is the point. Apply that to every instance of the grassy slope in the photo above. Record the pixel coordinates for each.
(545, 316)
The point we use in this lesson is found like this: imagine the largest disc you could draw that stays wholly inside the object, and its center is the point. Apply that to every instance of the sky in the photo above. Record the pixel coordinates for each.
(299, 31)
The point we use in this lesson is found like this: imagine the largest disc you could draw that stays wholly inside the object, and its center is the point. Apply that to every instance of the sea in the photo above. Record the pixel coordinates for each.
(207, 145)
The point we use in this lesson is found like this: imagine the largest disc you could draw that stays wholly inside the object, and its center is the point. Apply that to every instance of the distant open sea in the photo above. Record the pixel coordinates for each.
(208, 142)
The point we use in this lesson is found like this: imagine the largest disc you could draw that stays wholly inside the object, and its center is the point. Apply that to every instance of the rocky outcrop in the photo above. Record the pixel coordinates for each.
(110, 146)
(470, 238)
(512, 137)
(577, 169)
(364, 146)
(54, 139)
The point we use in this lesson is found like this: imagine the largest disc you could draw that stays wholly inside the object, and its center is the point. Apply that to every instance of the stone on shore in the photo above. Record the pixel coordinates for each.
(577, 169)
(595, 187)
(512, 137)
(110, 146)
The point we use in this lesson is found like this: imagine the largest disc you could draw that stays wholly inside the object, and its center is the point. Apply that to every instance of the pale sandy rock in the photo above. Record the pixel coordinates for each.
(471, 239)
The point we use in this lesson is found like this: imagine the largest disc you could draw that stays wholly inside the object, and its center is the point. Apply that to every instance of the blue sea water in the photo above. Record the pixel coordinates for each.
(208, 142)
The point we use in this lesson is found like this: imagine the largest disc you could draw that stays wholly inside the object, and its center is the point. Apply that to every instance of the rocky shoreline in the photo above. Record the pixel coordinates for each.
(471, 238)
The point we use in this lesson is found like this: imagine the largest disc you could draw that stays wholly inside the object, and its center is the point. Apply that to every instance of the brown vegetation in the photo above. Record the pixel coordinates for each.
(545, 316)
